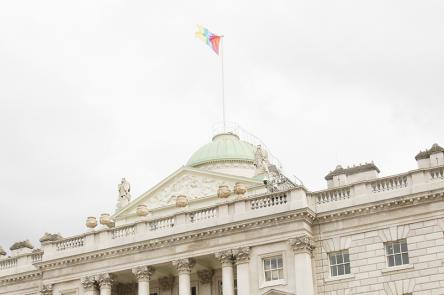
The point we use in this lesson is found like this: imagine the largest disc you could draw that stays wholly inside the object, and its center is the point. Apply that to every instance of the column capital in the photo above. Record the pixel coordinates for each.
(104, 280)
(143, 273)
(302, 244)
(166, 283)
(242, 255)
(225, 257)
(184, 265)
(89, 283)
(46, 289)
(205, 276)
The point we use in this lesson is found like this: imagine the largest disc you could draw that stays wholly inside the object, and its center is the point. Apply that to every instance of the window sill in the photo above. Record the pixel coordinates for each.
(273, 283)
(340, 278)
(397, 268)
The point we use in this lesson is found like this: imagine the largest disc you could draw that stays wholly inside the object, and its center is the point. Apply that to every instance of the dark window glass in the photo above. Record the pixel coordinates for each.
(339, 263)
(397, 253)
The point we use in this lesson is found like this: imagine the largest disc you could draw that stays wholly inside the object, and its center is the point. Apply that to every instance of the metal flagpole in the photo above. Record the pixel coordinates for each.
(222, 80)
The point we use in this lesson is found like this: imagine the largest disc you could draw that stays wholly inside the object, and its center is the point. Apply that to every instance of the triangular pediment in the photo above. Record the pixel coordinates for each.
(276, 292)
(192, 182)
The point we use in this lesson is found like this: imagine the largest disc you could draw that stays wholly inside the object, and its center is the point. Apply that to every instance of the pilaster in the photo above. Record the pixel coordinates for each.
(302, 244)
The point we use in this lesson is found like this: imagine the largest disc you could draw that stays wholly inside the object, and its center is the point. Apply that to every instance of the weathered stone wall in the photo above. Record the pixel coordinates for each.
(370, 275)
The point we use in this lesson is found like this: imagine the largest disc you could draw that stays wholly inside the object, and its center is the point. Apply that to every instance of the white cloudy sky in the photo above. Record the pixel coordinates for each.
(91, 91)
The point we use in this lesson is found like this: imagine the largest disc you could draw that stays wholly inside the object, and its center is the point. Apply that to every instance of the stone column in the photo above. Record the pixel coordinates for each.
(226, 259)
(46, 290)
(303, 250)
(89, 285)
(205, 277)
(143, 275)
(242, 256)
(184, 270)
(105, 282)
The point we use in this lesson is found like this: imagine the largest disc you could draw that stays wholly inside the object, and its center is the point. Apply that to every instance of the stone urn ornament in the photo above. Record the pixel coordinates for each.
(223, 192)
(91, 222)
(105, 219)
(142, 210)
(181, 201)
(240, 188)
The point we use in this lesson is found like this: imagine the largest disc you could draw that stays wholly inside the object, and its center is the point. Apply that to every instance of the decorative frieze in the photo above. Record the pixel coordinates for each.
(241, 255)
(104, 280)
(89, 283)
(184, 265)
(205, 276)
(166, 283)
(143, 273)
(46, 289)
(225, 257)
(302, 243)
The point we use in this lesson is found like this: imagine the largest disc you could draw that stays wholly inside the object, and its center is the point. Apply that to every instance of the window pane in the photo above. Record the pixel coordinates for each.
(266, 264)
(341, 270)
(405, 258)
(268, 276)
(275, 275)
(339, 258)
(389, 249)
(391, 260)
(332, 259)
(280, 264)
(334, 271)
(281, 274)
(273, 264)
(398, 259)
(347, 268)
(346, 257)
(404, 246)
(397, 248)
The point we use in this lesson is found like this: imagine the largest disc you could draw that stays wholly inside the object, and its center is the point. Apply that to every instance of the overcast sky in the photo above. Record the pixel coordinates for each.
(92, 91)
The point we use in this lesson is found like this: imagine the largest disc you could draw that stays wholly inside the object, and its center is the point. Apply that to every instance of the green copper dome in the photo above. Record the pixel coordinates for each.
(225, 146)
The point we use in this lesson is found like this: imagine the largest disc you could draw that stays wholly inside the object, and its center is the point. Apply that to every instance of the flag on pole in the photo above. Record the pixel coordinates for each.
(209, 38)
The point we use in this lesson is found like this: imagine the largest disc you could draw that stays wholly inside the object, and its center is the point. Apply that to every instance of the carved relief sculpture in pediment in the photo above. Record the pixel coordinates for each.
(193, 186)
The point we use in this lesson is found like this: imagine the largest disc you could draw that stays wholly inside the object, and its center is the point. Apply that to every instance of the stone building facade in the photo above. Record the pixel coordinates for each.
(229, 222)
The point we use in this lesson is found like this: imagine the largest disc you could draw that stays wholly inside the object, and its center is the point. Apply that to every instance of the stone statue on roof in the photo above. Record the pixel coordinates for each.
(261, 160)
(124, 194)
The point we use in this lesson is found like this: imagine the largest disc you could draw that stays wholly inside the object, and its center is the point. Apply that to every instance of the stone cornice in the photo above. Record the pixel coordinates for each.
(35, 275)
(207, 233)
(379, 206)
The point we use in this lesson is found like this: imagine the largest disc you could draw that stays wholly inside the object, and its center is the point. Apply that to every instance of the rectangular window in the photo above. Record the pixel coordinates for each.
(273, 268)
(193, 290)
(397, 253)
(339, 263)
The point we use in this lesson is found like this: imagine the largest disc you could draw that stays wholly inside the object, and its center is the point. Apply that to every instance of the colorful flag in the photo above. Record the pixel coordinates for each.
(209, 38)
